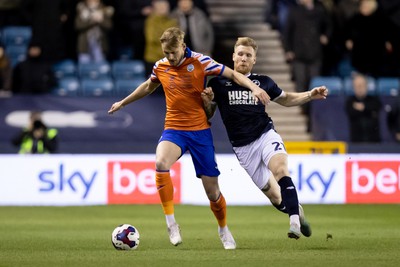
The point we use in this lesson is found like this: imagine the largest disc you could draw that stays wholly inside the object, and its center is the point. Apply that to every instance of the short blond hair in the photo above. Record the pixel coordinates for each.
(172, 37)
(247, 41)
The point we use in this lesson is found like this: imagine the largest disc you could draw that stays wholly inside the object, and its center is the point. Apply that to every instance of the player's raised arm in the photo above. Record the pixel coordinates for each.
(141, 91)
(295, 99)
(242, 80)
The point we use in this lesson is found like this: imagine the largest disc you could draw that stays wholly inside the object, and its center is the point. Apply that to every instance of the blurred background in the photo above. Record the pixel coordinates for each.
(70, 60)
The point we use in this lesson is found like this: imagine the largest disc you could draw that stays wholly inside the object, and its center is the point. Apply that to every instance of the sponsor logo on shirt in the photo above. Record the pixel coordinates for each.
(241, 98)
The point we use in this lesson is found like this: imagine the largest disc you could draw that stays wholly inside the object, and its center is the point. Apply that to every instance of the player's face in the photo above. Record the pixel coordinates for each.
(173, 54)
(244, 58)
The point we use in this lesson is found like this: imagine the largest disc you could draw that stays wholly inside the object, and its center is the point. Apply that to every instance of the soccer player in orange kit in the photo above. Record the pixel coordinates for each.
(183, 75)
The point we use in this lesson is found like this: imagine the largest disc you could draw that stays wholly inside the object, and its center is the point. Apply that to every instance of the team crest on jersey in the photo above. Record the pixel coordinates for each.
(190, 68)
(257, 82)
(228, 83)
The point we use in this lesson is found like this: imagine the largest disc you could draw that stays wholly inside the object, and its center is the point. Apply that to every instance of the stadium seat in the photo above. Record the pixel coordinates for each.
(348, 86)
(16, 35)
(67, 86)
(124, 87)
(16, 53)
(333, 83)
(99, 87)
(389, 86)
(128, 69)
(94, 70)
(65, 68)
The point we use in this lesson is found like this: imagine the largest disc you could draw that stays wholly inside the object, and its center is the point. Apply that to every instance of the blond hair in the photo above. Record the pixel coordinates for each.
(172, 37)
(247, 41)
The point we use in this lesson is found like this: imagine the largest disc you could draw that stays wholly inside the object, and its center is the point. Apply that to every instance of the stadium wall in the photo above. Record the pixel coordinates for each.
(106, 179)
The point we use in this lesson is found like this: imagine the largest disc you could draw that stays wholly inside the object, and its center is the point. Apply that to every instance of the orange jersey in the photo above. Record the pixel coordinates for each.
(183, 85)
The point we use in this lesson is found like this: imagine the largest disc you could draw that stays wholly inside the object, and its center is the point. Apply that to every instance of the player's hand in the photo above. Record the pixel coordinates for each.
(207, 95)
(262, 96)
(115, 107)
(320, 92)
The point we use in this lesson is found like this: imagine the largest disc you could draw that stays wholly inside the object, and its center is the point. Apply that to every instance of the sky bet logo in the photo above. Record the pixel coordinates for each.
(241, 98)
(134, 182)
(313, 180)
(63, 179)
(373, 181)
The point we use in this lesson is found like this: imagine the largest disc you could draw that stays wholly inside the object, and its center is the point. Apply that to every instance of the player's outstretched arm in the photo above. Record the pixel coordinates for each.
(296, 99)
(141, 91)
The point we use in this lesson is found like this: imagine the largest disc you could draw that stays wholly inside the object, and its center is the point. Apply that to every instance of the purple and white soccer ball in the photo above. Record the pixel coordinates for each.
(125, 237)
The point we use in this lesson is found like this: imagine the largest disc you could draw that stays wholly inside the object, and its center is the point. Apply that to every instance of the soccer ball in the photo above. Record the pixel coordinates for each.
(125, 237)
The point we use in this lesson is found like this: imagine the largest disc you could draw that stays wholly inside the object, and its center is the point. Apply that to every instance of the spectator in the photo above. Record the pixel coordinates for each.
(48, 20)
(277, 13)
(367, 39)
(36, 138)
(129, 27)
(307, 32)
(337, 57)
(199, 30)
(155, 24)
(93, 22)
(34, 75)
(5, 73)
(308, 29)
(391, 10)
(363, 112)
(202, 4)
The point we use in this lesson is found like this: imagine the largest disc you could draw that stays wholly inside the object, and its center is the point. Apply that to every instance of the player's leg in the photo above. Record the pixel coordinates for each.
(202, 151)
(167, 154)
(273, 192)
(218, 207)
(278, 165)
(251, 159)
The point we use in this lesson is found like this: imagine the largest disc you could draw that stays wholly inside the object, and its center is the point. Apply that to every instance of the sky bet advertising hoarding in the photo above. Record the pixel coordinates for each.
(129, 179)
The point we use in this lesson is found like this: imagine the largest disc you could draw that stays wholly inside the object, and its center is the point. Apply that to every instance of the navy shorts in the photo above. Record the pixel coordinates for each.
(201, 147)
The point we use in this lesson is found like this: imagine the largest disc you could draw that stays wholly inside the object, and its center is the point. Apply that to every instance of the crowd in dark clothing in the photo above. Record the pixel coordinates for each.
(362, 35)
(61, 30)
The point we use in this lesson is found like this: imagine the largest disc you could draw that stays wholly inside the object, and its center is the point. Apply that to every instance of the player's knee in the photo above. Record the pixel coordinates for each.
(212, 192)
(162, 165)
(280, 171)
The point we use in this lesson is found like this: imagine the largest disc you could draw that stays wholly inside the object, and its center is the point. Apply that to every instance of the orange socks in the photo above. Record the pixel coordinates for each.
(165, 191)
(219, 209)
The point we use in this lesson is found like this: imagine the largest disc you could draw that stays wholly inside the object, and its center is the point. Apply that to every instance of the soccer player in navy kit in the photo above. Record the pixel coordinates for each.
(258, 147)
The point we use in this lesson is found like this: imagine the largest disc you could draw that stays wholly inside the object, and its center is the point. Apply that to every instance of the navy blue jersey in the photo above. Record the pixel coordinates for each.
(245, 121)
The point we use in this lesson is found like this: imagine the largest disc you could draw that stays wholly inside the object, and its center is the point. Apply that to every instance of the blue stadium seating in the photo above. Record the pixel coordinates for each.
(333, 83)
(98, 87)
(348, 86)
(67, 86)
(16, 53)
(16, 35)
(94, 70)
(65, 68)
(388, 86)
(128, 69)
(124, 87)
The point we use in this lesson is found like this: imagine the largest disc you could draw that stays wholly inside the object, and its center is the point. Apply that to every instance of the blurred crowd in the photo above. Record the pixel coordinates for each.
(335, 37)
(319, 37)
(93, 31)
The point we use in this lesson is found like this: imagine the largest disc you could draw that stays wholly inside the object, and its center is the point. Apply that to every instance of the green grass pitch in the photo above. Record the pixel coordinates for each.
(362, 235)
